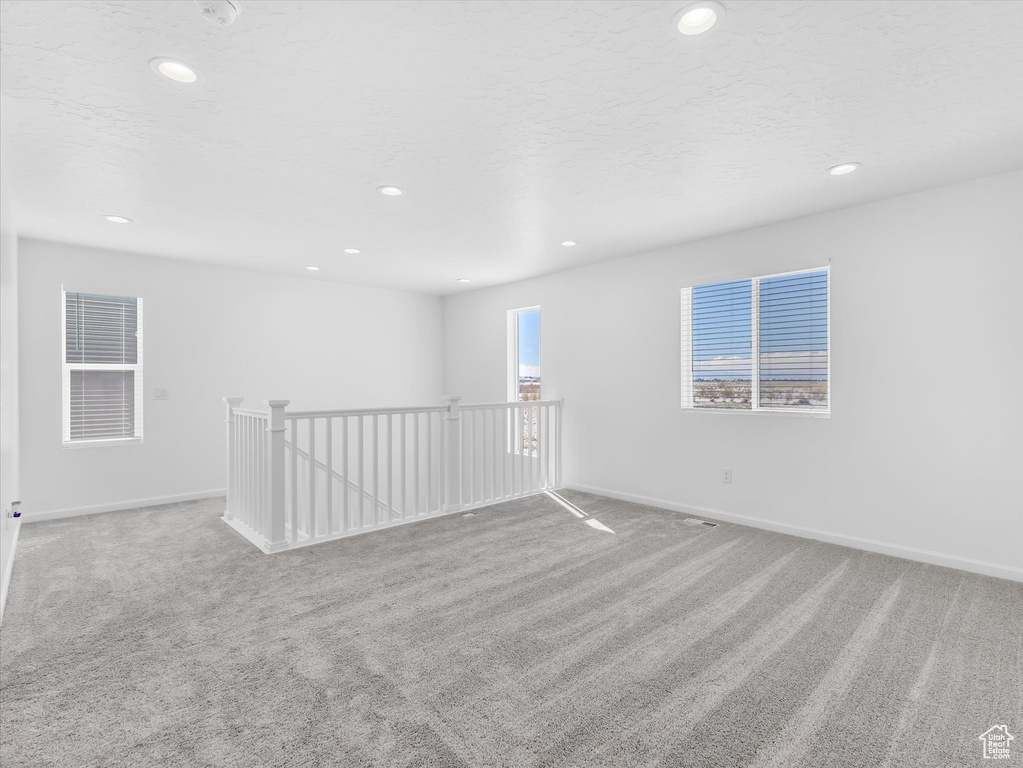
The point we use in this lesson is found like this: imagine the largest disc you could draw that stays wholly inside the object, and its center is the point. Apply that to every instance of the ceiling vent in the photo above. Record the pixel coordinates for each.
(220, 12)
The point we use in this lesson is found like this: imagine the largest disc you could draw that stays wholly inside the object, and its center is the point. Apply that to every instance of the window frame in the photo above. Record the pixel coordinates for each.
(686, 346)
(514, 446)
(67, 368)
(513, 353)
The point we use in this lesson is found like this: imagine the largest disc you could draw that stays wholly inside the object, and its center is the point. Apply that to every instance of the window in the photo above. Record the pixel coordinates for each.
(102, 369)
(760, 344)
(524, 377)
(525, 353)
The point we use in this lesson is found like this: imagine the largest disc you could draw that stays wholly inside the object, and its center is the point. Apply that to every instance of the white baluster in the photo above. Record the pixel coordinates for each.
(267, 477)
(470, 454)
(239, 459)
(415, 459)
(540, 448)
(294, 480)
(429, 462)
(530, 412)
(404, 477)
(376, 473)
(538, 451)
(490, 437)
(254, 427)
(516, 451)
(253, 473)
(262, 503)
(445, 440)
(345, 522)
(362, 463)
(330, 476)
(502, 449)
(495, 451)
(261, 429)
(509, 448)
(246, 471)
(388, 513)
(477, 465)
(256, 473)
(545, 420)
(243, 462)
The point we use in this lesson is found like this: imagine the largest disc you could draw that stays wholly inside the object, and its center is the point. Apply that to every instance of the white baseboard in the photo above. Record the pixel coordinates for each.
(260, 543)
(908, 553)
(31, 517)
(6, 576)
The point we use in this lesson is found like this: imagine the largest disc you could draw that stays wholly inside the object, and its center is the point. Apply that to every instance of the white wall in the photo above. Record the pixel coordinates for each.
(209, 332)
(9, 455)
(924, 449)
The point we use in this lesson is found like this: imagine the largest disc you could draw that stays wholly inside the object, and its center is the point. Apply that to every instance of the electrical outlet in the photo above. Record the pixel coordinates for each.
(726, 475)
(161, 394)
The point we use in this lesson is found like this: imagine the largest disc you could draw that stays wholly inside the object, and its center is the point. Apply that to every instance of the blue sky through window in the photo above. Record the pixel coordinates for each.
(529, 343)
(723, 331)
(793, 328)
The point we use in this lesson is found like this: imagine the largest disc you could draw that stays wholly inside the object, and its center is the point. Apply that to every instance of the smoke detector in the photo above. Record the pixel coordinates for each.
(220, 12)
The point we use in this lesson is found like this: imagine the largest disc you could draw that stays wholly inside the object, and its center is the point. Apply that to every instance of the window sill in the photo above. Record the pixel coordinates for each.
(764, 412)
(103, 443)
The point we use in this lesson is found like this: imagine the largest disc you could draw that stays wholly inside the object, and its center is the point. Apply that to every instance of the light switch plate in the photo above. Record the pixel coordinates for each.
(161, 394)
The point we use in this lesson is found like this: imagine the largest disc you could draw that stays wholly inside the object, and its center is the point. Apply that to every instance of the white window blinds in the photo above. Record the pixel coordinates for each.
(793, 341)
(102, 368)
(722, 345)
(757, 344)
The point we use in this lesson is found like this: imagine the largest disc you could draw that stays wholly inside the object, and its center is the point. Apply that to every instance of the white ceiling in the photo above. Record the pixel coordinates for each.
(512, 126)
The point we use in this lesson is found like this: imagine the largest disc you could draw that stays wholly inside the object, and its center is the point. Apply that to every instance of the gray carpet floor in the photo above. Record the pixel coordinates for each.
(520, 636)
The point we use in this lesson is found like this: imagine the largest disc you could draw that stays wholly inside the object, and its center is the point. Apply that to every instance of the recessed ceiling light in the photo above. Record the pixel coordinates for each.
(389, 190)
(313, 269)
(464, 280)
(843, 169)
(175, 70)
(569, 243)
(352, 250)
(118, 219)
(697, 18)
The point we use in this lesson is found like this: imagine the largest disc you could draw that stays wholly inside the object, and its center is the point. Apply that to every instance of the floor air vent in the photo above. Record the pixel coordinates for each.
(694, 521)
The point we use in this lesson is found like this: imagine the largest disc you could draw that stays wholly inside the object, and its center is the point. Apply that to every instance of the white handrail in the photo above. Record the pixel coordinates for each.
(512, 404)
(362, 412)
(250, 412)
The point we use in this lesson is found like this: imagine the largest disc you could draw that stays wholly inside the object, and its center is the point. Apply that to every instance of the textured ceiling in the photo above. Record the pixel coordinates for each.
(512, 125)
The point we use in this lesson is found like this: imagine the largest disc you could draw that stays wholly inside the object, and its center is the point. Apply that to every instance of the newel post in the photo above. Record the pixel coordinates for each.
(275, 471)
(232, 463)
(451, 455)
